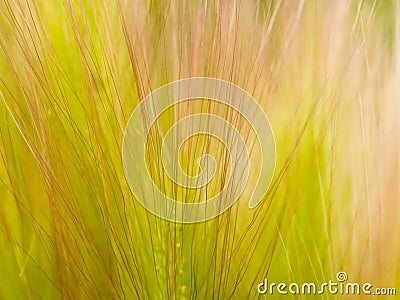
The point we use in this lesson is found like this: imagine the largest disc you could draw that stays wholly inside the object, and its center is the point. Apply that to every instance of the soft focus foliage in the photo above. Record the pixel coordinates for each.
(72, 71)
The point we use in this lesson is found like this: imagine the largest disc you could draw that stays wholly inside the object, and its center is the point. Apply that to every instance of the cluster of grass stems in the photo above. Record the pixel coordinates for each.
(72, 71)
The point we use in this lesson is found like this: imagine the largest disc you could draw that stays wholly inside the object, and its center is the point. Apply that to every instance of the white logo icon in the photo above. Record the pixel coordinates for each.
(150, 109)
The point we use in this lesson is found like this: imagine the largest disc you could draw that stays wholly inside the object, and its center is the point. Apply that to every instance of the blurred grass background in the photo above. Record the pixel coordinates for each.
(71, 73)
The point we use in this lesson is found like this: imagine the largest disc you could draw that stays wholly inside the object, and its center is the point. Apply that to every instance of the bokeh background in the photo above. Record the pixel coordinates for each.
(327, 75)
